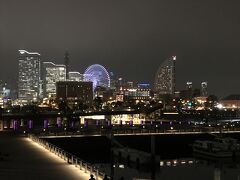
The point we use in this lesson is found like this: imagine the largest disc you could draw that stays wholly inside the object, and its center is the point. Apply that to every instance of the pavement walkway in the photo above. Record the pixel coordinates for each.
(22, 159)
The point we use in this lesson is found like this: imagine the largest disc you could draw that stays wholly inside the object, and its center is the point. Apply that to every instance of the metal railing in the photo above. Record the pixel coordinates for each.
(142, 131)
(69, 158)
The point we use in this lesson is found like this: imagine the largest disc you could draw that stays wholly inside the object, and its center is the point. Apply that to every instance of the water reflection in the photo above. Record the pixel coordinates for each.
(184, 168)
(176, 159)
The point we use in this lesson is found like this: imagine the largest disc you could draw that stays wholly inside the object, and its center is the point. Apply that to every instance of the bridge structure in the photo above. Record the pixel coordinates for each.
(58, 122)
(141, 131)
(9, 120)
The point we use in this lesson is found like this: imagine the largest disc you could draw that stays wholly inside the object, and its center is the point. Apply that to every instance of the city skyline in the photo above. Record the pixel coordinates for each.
(123, 90)
(79, 76)
(109, 33)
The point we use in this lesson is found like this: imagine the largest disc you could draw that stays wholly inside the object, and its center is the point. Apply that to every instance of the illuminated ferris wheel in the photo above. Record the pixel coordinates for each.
(97, 74)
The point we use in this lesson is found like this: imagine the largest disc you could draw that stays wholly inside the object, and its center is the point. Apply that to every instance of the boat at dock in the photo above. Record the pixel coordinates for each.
(218, 148)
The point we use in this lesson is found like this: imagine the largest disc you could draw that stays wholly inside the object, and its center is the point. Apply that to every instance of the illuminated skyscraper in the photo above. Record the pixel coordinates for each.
(52, 73)
(204, 91)
(165, 77)
(75, 76)
(28, 76)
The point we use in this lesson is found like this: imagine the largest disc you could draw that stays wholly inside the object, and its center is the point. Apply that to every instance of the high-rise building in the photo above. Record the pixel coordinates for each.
(52, 73)
(189, 85)
(72, 91)
(165, 77)
(66, 62)
(75, 76)
(28, 76)
(204, 91)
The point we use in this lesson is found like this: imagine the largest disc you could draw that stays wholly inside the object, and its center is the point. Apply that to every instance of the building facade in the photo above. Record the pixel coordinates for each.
(165, 77)
(231, 102)
(75, 76)
(139, 93)
(28, 76)
(73, 91)
(136, 94)
(52, 73)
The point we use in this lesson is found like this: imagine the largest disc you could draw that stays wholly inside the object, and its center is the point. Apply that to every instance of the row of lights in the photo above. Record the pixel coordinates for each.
(176, 162)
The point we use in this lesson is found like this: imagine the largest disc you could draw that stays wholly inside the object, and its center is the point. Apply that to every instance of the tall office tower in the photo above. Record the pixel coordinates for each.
(52, 73)
(165, 80)
(189, 85)
(204, 91)
(75, 76)
(66, 62)
(28, 76)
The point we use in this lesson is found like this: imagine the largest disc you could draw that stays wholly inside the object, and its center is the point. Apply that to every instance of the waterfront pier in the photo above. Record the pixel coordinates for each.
(21, 158)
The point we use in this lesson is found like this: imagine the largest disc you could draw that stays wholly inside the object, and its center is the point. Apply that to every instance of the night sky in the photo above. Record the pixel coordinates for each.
(130, 38)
